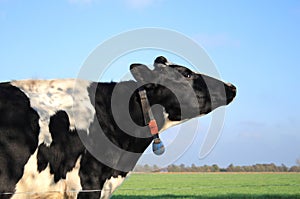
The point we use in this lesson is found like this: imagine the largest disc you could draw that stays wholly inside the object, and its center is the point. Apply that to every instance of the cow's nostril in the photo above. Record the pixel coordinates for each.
(230, 92)
(232, 87)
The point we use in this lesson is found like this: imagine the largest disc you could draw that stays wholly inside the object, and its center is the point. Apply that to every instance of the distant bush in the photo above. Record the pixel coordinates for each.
(215, 168)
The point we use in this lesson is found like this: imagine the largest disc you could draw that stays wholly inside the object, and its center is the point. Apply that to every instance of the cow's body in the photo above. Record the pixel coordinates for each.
(41, 152)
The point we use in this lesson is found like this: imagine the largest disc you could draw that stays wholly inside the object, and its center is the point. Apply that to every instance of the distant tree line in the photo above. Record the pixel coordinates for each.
(215, 168)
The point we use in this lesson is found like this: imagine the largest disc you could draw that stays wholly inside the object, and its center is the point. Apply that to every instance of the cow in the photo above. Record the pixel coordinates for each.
(45, 126)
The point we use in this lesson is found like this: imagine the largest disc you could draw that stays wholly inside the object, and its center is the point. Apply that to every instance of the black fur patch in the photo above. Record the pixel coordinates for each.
(19, 132)
(64, 150)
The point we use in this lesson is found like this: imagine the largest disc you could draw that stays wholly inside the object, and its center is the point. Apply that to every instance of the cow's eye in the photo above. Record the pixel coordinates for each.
(187, 75)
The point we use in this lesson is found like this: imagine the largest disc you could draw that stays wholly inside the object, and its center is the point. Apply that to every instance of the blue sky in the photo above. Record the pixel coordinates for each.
(254, 44)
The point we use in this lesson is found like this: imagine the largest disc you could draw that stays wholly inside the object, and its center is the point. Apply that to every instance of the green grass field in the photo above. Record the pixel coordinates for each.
(210, 185)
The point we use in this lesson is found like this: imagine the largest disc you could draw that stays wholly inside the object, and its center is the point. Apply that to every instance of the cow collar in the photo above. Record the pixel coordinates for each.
(157, 146)
(147, 112)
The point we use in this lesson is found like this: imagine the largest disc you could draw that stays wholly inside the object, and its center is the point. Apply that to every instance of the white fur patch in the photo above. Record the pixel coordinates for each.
(168, 123)
(49, 96)
(34, 184)
(110, 186)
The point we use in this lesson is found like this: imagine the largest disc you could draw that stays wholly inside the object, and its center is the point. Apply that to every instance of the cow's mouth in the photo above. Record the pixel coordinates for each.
(230, 92)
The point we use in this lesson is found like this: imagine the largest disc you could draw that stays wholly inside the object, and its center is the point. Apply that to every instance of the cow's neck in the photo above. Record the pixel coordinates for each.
(114, 131)
(139, 140)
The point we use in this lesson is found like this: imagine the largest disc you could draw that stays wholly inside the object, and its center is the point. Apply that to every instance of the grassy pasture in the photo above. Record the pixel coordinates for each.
(210, 185)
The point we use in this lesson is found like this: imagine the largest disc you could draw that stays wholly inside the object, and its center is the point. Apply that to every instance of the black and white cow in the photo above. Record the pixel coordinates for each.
(41, 152)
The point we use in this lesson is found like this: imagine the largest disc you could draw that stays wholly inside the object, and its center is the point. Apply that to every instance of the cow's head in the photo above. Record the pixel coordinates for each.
(183, 93)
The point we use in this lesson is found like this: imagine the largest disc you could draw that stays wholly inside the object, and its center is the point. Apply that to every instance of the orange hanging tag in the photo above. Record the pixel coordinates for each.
(153, 127)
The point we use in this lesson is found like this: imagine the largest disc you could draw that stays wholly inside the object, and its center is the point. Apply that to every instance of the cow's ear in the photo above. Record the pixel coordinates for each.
(141, 73)
(161, 61)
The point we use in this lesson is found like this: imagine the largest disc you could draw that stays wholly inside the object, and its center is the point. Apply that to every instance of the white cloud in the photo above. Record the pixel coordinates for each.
(81, 1)
(140, 4)
(134, 4)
